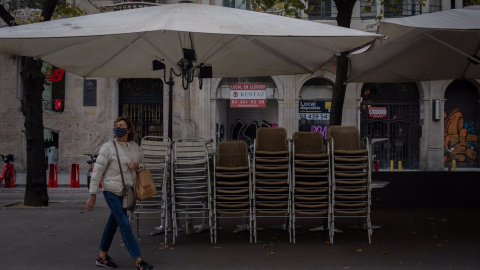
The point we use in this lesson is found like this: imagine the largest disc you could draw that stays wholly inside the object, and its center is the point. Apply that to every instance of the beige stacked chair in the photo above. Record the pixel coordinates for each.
(271, 176)
(351, 177)
(310, 179)
(232, 190)
(156, 150)
(190, 186)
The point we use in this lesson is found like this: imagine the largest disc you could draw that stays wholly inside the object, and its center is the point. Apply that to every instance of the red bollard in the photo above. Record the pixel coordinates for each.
(75, 176)
(52, 176)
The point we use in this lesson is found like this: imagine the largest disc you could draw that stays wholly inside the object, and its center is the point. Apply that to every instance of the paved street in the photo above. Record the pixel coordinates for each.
(65, 236)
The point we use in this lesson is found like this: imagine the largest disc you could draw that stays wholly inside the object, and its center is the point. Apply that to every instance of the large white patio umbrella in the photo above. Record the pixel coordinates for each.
(236, 43)
(435, 46)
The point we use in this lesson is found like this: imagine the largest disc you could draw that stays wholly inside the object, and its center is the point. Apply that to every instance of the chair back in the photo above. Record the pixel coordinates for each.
(232, 154)
(308, 142)
(271, 139)
(345, 137)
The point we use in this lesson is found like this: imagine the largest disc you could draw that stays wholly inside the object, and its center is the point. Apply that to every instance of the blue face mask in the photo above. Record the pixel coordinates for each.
(119, 132)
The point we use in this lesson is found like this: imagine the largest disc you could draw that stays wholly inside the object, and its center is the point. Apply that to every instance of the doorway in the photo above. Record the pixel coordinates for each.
(142, 101)
(392, 112)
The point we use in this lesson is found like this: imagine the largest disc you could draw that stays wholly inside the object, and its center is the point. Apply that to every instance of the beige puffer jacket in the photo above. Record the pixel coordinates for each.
(106, 167)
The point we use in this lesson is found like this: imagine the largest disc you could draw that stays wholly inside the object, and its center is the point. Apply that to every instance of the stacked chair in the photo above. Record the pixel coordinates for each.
(231, 184)
(351, 177)
(157, 158)
(271, 176)
(190, 183)
(310, 179)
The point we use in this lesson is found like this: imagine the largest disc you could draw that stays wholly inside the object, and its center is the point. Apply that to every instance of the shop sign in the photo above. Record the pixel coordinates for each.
(248, 95)
(377, 112)
(314, 110)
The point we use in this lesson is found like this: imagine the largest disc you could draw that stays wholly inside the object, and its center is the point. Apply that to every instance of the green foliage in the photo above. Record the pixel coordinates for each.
(290, 8)
(67, 10)
(34, 15)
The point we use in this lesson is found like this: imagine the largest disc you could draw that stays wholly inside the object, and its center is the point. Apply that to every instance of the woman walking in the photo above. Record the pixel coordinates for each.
(107, 170)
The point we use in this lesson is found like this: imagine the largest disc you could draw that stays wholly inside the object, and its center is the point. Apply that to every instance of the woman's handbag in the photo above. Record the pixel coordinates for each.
(129, 200)
(144, 186)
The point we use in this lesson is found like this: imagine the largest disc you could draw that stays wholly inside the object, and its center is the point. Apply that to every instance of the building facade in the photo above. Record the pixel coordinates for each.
(426, 124)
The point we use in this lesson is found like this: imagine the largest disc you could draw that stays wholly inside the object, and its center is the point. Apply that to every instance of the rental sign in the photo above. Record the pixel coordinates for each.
(377, 112)
(248, 95)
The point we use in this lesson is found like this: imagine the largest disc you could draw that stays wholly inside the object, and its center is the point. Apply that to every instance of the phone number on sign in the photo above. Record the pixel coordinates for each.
(314, 116)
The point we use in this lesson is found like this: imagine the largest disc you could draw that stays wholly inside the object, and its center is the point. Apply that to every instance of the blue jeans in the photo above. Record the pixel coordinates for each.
(118, 218)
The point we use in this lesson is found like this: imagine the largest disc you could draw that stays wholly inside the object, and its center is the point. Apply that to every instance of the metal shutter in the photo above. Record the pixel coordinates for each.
(247, 115)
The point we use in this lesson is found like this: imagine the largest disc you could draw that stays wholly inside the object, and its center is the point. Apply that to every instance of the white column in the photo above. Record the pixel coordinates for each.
(433, 131)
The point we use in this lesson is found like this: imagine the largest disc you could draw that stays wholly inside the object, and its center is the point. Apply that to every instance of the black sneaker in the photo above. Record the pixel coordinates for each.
(106, 262)
(143, 265)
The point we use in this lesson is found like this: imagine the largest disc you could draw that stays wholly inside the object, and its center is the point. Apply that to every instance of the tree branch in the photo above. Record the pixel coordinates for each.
(6, 16)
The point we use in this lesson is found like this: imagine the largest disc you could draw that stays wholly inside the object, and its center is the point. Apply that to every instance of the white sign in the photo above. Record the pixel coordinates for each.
(244, 95)
(377, 112)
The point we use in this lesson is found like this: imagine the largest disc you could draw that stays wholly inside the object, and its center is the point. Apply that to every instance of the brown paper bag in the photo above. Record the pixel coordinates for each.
(144, 186)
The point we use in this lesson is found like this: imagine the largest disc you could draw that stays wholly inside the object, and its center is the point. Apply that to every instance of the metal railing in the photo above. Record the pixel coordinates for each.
(322, 10)
(402, 9)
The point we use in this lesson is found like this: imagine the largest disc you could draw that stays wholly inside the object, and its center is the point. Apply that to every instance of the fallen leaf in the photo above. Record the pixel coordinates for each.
(327, 242)
(81, 212)
(47, 226)
(172, 248)
(435, 236)
(440, 245)
(272, 253)
(271, 244)
(358, 250)
(93, 220)
(414, 232)
(384, 252)
(444, 220)
(264, 246)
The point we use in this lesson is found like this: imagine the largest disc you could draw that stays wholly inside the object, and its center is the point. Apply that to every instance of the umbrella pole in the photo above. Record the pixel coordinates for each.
(170, 83)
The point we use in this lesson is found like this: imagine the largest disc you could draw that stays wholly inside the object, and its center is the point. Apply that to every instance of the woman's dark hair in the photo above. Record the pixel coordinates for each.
(130, 127)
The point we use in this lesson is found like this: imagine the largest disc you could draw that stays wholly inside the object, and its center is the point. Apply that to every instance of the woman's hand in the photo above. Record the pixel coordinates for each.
(133, 166)
(91, 202)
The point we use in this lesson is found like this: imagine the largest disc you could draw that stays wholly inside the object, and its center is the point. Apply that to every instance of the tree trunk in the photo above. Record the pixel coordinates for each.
(36, 186)
(339, 90)
(36, 193)
(344, 17)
